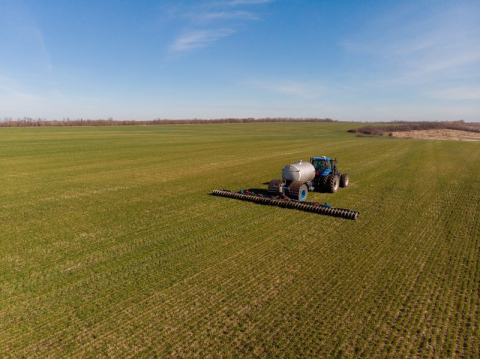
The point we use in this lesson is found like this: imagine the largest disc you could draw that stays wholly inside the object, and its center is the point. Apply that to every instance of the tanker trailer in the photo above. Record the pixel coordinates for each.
(297, 180)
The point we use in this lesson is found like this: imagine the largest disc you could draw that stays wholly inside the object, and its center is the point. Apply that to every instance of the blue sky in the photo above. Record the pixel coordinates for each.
(367, 60)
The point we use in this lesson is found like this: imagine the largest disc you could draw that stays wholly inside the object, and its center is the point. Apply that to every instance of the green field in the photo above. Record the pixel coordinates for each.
(112, 246)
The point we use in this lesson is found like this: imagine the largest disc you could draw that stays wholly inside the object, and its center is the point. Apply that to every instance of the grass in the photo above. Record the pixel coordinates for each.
(112, 246)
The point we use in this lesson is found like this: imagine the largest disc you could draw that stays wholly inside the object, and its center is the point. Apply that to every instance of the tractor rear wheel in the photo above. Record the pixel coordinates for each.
(344, 180)
(298, 190)
(333, 183)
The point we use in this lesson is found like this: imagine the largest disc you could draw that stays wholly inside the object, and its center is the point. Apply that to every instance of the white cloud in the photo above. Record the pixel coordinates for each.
(199, 38)
(224, 15)
(43, 48)
(211, 21)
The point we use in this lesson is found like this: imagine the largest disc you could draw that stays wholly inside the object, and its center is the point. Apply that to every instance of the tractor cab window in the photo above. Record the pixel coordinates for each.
(321, 165)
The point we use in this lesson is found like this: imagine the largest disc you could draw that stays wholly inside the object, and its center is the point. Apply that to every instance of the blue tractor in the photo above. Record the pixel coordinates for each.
(327, 177)
(320, 174)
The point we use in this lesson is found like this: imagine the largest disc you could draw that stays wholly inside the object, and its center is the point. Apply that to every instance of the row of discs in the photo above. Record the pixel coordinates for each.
(335, 212)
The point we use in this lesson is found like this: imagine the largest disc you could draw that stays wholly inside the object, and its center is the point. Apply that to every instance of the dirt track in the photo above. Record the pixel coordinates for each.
(452, 135)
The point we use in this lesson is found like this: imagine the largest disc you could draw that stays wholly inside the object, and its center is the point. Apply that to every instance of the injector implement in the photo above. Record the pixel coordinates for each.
(320, 174)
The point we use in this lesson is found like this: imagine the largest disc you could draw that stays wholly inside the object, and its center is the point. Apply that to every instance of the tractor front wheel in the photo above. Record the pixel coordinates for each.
(324, 183)
(333, 183)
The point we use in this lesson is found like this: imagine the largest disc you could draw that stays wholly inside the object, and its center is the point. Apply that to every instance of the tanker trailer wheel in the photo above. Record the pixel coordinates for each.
(298, 190)
(275, 186)
(333, 183)
(344, 180)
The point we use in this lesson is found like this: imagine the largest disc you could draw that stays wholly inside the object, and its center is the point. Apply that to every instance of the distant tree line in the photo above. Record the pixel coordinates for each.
(402, 126)
(39, 122)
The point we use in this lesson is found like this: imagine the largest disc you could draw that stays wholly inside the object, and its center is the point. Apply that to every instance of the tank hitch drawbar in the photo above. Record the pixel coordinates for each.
(285, 202)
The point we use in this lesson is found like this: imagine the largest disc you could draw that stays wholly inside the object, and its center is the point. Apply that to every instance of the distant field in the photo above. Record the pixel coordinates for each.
(110, 245)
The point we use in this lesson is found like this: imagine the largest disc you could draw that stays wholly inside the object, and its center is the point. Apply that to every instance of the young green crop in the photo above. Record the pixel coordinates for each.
(111, 245)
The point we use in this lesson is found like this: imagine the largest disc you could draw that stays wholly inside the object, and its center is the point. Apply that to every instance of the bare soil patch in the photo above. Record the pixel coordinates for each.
(441, 134)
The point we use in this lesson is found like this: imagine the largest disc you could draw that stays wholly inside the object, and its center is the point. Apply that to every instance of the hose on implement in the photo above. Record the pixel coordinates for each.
(285, 202)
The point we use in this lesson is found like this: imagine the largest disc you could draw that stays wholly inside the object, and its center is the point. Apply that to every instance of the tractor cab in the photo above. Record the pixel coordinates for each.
(323, 165)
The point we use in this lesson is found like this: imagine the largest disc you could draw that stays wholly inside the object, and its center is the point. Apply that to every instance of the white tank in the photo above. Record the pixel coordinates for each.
(299, 171)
